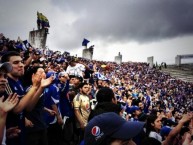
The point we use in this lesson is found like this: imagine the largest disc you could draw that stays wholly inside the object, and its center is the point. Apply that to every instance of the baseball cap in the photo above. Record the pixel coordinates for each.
(110, 125)
(6, 66)
(133, 109)
(61, 74)
(165, 130)
(51, 73)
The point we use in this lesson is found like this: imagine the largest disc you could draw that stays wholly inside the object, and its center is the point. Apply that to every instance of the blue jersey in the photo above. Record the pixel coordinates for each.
(51, 98)
(36, 115)
(65, 104)
(147, 104)
(13, 119)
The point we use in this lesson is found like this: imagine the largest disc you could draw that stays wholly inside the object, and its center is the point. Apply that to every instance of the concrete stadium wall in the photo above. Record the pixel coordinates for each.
(118, 59)
(87, 53)
(178, 58)
(150, 61)
(38, 38)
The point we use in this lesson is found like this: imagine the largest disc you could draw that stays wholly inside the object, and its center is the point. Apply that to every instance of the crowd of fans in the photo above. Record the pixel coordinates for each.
(50, 98)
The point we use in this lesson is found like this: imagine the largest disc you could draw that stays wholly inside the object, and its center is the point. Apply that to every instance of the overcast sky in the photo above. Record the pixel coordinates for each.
(136, 28)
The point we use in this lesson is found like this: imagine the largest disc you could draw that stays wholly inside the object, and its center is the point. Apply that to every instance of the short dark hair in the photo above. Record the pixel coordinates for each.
(82, 84)
(6, 56)
(80, 78)
(35, 69)
(103, 108)
(150, 119)
(105, 94)
(28, 75)
(35, 61)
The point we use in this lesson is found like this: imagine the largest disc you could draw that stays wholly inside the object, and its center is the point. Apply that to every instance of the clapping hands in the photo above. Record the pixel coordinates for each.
(38, 81)
(9, 103)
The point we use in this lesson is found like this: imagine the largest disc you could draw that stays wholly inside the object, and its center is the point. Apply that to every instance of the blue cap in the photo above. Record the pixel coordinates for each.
(108, 125)
(51, 73)
(165, 130)
(63, 73)
(133, 109)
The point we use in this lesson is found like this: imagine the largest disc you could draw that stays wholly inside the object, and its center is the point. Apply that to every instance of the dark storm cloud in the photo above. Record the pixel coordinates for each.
(17, 18)
(104, 21)
(133, 20)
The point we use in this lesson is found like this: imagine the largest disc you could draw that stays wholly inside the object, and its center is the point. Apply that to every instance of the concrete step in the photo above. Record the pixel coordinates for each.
(177, 71)
(186, 76)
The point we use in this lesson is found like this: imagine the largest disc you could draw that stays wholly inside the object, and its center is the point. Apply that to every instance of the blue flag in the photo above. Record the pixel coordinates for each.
(27, 44)
(49, 52)
(100, 76)
(21, 46)
(85, 42)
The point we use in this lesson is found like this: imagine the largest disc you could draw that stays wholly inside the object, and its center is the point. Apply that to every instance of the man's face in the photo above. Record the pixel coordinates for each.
(64, 65)
(18, 66)
(141, 105)
(36, 56)
(63, 79)
(3, 81)
(76, 81)
(85, 89)
(72, 80)
(100, 82)
(105, 84)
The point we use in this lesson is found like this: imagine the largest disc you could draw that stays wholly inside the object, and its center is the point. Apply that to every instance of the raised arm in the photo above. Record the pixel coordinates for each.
(5, 107)
(44, 83)
(176, 130)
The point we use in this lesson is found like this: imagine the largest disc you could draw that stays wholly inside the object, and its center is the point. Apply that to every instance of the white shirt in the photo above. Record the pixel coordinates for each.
(155, 135)
(76, 70)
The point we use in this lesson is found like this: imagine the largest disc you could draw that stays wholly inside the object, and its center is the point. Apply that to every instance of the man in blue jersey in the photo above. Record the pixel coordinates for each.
(26, 100)
(63, 86)
(5, 105)
(52, 102)
(66, 108)
(36, 128)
